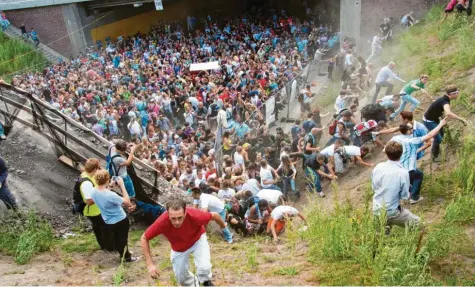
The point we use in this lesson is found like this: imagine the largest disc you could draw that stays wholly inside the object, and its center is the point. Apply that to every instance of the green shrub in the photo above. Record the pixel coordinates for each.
(25, 234)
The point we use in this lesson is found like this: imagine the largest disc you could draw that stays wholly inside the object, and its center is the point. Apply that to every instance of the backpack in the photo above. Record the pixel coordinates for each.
(78, 200)
(110, 166)
(332, 127)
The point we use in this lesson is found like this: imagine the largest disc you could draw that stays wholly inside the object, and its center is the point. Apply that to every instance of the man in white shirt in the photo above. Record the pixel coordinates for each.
(267, 178)
(279, 216)
(272, 196)
(350, 152)
(382, 80)
(210, 203)
(375, 47)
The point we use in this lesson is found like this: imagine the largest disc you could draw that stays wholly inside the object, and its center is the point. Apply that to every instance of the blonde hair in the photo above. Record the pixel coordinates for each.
(102, 177)
(91, 165)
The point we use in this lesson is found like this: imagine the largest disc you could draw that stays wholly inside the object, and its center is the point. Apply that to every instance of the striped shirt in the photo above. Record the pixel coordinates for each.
(409, 155)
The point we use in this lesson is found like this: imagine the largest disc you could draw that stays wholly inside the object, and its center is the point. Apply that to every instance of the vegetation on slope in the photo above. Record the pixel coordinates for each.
(18, 57)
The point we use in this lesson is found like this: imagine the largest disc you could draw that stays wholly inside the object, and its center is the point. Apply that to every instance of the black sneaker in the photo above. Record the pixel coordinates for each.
(208, 283)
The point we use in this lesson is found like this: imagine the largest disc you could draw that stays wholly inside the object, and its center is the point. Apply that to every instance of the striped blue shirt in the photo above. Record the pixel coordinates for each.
(410, 145)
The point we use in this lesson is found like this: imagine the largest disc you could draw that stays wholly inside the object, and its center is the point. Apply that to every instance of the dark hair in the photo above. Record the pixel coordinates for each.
(176, 204)
(404, 128)
(365, 149)
(393, 150)
(121, 145)
(407, 115)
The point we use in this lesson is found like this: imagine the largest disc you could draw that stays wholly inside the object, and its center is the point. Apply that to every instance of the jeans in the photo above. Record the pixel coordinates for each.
(313, 179)
(7, 197)
(129, 186)
(202, 257)
(374, 52)
(102, 233)
(273, 186)
(120, 234)
(2, 131)
(289, 181)
(378, 88)
(437, 139)
(415, 178)
(404, 100)
(228, 236)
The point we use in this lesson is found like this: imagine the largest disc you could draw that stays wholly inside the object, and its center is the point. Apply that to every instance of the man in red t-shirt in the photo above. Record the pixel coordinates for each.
(184, 227)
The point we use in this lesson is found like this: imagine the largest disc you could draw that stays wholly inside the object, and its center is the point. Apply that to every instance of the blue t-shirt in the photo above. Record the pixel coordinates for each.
(110, 205)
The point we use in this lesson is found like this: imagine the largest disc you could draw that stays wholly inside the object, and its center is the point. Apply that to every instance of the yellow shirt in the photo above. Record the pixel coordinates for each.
(89, 210)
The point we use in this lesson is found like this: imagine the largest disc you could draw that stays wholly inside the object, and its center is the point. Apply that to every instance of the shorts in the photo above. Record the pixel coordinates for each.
(279, 226)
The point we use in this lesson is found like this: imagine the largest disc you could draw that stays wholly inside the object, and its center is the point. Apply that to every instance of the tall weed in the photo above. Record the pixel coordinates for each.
(25, 234)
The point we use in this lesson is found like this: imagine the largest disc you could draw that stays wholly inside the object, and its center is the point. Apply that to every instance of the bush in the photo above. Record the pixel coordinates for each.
(25, 234)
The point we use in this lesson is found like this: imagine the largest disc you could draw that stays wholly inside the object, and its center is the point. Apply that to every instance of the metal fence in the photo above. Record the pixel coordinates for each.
(72, 142)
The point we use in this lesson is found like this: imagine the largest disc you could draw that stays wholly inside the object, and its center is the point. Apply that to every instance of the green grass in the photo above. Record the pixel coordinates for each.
(16, 55)
(82, 243)
(24, 234)
(350, 248)
(286, 271)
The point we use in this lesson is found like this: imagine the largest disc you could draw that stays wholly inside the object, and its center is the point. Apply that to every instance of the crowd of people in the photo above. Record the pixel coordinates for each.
(139, 92)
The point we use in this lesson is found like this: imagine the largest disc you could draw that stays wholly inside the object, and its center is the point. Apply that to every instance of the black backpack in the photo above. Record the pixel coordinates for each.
(78, 201)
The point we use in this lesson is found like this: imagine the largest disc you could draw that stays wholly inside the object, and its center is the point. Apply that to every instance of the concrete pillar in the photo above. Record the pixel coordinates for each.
(350, 21)
(74, 24)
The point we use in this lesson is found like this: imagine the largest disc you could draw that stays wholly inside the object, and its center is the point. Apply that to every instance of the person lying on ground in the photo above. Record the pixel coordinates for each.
(145, 212)
(279, 219)
(368, 132)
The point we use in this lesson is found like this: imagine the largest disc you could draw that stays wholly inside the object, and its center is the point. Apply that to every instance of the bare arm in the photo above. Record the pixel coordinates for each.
(131, 157)
(303, 218)
(361, 161)
(125, 195)
(217, 218)
(388, 131)
(448, 113)
(152, 270)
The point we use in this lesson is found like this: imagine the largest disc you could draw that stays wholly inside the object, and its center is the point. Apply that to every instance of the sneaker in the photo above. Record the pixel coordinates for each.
(3, 137)
(208, 283)
(412, 201)
(229, 241)
(321, 194)
(132, 259)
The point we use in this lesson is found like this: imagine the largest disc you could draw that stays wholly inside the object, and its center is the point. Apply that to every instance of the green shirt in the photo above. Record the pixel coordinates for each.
(408, 89)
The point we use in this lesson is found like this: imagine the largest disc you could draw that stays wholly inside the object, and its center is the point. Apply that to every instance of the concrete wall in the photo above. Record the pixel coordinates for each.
(24, 4)
(350, 19)
(374, 11)
(115, 25)
(48, 22)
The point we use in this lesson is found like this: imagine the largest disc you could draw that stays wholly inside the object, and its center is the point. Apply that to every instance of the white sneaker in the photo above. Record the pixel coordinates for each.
(3, 137)
(321, 194)
(412, 201)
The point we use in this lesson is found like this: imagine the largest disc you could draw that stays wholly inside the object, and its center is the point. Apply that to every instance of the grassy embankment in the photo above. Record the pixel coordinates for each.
(11, 62)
